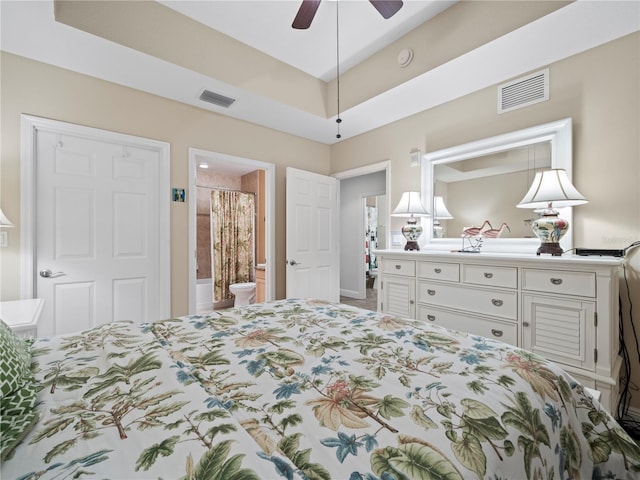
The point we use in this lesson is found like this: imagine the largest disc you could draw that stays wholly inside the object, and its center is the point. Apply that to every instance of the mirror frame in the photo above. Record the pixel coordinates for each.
(559, 133)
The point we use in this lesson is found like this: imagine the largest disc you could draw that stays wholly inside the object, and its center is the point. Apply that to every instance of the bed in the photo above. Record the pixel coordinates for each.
(300, 389)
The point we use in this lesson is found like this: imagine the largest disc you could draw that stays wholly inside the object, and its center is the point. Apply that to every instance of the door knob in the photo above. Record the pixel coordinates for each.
(293, 262)
(46, 273)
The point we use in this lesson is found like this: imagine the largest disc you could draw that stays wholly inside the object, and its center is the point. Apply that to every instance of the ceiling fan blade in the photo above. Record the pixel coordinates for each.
(305, 15)
(387, 8)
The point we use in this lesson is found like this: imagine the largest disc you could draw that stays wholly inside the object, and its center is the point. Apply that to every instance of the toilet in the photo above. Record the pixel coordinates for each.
(245, 293)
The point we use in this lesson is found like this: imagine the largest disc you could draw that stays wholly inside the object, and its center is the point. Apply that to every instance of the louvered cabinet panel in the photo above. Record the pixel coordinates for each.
(398, 296)
(560, 330)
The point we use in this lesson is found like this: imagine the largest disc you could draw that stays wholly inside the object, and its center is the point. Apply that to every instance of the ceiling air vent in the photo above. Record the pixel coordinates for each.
(524, 91)
(216, 99)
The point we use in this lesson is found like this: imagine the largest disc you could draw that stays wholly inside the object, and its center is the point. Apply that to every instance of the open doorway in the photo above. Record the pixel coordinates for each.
(210, 171)
(356, 186)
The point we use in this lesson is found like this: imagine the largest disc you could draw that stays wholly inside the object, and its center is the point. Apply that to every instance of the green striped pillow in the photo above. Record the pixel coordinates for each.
(18, 390)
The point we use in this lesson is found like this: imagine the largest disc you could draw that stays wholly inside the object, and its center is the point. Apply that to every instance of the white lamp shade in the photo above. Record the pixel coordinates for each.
(440, 209)
(410, 205)
(4, 221)
(552, 187)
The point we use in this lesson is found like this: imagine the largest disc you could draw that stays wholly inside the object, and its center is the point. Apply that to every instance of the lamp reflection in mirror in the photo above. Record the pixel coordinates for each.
(4, 221)
(440, 212)
(411, 206)
(551, 188)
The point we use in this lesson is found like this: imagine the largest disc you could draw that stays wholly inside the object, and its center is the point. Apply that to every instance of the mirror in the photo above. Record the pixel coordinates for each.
(485, 179)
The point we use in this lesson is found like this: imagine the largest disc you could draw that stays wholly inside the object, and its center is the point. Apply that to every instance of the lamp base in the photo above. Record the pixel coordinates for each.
(553, 248)
(411, 232)
(411, 245)
(550, 228)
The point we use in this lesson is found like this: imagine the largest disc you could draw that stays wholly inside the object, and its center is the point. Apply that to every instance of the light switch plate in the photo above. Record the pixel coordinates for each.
(4, 239)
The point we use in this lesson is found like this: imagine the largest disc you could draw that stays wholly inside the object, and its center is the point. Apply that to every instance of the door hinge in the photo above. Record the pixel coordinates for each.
(381, 285)
(595, 319)
(595, 355)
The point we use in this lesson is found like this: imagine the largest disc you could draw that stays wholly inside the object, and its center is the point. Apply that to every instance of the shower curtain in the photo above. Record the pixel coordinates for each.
(232, 240)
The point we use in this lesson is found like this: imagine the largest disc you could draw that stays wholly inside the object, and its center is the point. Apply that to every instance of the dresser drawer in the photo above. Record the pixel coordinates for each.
(449, 272)
(495, 329)
(399, 267)
(490, 276)
(561, 282)
(488, 302)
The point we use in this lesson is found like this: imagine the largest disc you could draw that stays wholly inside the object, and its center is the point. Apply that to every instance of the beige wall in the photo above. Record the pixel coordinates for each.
(34, 88)
(600, 90)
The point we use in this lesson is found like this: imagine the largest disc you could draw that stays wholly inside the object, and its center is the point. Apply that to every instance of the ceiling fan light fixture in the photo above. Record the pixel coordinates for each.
(308, 9)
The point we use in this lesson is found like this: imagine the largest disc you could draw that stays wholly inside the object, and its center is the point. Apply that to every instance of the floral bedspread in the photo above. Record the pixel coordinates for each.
(311, 390)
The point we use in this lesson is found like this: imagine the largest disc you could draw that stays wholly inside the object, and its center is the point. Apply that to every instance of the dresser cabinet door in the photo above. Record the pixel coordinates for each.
(398, 296)
(560, 330)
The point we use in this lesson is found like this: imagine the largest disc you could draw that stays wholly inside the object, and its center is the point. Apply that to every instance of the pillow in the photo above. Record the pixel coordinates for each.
(15, 361)
(18, 391)
(17, 419)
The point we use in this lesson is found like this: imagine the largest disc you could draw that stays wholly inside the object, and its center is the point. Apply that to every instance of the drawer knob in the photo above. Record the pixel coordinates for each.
(431, 292)
(497, 302)
(556, 281)
(488, 275)
(496, 333)
(431, 318)
(525, 324)
(437, 270)
(411, 302)
(398, 267)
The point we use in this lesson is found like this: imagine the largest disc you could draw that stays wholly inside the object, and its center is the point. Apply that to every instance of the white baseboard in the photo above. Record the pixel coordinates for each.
(351, 294)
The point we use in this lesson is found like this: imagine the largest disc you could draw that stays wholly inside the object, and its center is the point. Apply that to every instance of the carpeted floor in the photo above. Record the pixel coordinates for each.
(370, 303)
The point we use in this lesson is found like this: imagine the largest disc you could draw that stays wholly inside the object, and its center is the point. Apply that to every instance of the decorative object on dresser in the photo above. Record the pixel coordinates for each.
(474, 231)
(411, 206)
(562, 308)
(496, 232)
(440, 212)
(551, 188)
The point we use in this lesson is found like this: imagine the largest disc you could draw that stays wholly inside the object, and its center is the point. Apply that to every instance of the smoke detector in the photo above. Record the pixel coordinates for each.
(405, 57)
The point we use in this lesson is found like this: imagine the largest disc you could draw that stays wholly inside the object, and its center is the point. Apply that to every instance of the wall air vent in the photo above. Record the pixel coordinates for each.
(216, 99)
(523, 91)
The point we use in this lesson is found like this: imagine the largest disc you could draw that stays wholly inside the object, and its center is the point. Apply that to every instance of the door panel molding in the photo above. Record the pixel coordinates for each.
(29, 128)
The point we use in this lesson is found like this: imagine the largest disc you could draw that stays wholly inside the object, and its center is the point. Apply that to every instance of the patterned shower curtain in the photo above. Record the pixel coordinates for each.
(232, 220)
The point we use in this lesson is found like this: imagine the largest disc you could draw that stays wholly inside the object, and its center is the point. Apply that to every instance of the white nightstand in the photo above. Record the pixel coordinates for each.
(22, 316)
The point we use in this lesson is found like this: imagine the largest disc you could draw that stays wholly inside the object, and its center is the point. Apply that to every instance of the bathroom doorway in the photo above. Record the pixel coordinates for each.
(209, 171)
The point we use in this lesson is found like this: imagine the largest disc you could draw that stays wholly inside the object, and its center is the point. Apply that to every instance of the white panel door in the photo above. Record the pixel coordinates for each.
(312, 231)
(97, 242)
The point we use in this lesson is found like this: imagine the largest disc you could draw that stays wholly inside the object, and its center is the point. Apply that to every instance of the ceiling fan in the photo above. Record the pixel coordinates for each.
(308, 8)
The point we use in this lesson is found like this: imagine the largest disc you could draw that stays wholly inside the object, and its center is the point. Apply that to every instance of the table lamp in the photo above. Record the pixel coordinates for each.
(551, 188)
(411, 206)
(440, 212)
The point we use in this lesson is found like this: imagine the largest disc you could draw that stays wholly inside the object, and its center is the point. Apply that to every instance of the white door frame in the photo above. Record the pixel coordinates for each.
(29, 126)
(270, 205)
(365, 170)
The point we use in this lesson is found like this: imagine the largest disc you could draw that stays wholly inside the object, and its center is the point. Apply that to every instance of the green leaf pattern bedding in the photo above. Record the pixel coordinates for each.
(303, 389)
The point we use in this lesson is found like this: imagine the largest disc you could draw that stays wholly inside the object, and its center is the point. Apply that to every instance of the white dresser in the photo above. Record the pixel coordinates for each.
(562, 308)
